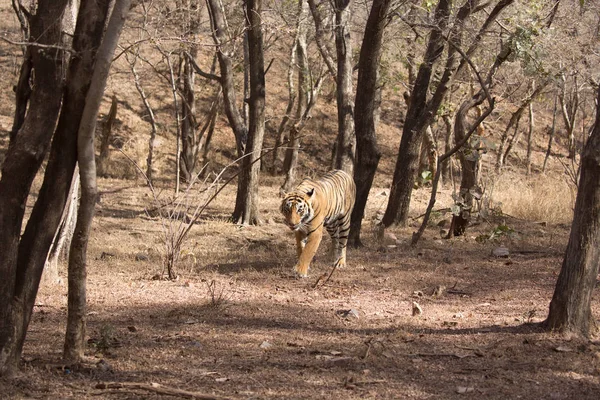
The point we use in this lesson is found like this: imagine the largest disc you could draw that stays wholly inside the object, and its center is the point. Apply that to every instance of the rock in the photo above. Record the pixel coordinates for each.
(266, 345)
(141, 257)
(464, 389)
(500, 252)
(416, 309)
(439, 291)
(348, 314)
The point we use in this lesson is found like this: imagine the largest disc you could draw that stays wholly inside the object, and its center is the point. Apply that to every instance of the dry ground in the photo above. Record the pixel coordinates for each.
(237, 324)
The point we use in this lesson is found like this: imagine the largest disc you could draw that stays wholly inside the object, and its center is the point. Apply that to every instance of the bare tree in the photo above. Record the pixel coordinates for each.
(346, 141)
(570, 308)
(569, 105)
(75, 336)
(422, 110)
(225, 52)
(106, 135)
(368, 153)
(551, 134)
(22, 258)
(507, 141)
(301, 95)
(530, 131)
(246, 203)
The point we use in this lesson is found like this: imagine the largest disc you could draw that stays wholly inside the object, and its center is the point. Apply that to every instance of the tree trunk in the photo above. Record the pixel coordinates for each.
(246, 204)
(421, 111)
(530, 139)
(22, 94)
(551, 134)
(427, 155)
(64, 234)
(414, 124)
(346, 140)
(570, 310)
(224, 52)
(106, 134)
(368, 153)
(291, 101)
(188, 153)
(291, 154)
(75, 336)
(446, 165)
(569, 106)
(320, 35)
(506, 142)
(23, 272)
(22, 161)
(468, 158)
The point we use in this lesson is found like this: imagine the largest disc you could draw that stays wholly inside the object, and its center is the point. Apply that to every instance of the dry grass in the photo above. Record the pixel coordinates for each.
(547, 198)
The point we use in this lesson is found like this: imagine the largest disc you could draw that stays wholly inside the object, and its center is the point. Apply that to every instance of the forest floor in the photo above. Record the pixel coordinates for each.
(237, 323)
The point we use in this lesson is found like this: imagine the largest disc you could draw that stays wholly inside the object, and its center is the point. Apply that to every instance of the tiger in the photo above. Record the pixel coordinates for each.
(316, 204)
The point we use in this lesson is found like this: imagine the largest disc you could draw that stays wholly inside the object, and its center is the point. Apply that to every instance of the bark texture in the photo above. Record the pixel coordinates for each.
(246, 204)
(75, 335)
(346, 141)
(570, 309)
(368, 153)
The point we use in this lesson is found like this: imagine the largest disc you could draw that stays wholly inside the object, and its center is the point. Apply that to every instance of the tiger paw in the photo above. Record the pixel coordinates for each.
(301, 272)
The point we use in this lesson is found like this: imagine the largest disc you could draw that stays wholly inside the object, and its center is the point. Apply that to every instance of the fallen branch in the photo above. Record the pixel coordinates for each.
(157, 388)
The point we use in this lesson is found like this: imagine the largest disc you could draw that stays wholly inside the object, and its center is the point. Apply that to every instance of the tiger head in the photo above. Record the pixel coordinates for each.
(297, 209)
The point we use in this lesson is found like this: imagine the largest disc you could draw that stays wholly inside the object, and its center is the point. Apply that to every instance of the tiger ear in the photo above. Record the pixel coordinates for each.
(310, 192)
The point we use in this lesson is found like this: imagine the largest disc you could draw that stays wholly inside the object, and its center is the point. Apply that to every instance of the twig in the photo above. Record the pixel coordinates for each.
(157, 388)
(323, 276)
(459, 356)
(40, 45)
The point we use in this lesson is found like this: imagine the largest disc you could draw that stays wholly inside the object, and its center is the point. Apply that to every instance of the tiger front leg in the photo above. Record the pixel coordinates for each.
(340, 240)
(308, 252)
(300, 241)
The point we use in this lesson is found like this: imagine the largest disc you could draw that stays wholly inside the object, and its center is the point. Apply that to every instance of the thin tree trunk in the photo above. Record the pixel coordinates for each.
(211, 128)
(291, 97)
(445, 177)
(506, 141)
(173, 82)
(153, 128)
(428, 154)
(513, 140)
(551, 134)
(570, 308)
(320, 35)
(569, 107)
(291, 154)
(246, 204)
(106, 135)
(367, 91)
(530, 138)
(187, 162)
(75, 336)
(224, 51)
(346, 140)
(22, 94)
(64, 234)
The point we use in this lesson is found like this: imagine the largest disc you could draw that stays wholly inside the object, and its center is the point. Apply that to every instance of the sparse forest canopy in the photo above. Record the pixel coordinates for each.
(471, 131)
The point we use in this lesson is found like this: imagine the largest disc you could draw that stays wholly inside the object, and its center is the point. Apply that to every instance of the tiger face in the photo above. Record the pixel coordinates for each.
(297, 210)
